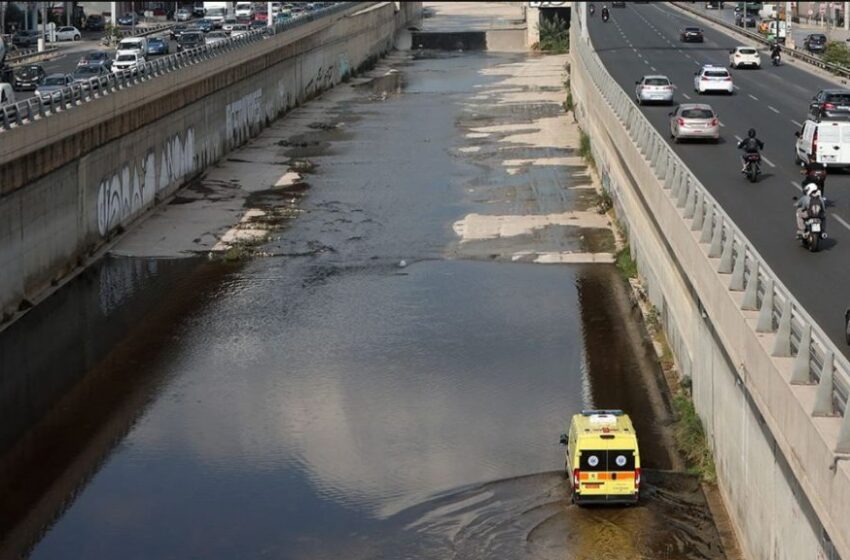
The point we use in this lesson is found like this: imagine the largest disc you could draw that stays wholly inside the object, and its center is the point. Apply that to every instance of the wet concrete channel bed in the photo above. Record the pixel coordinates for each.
(387, 379)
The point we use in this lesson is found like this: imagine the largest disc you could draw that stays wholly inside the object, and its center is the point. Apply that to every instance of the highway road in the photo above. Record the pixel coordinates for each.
(644, 39)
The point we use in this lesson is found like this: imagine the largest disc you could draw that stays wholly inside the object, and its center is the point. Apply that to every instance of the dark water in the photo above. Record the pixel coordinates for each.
(335, 402)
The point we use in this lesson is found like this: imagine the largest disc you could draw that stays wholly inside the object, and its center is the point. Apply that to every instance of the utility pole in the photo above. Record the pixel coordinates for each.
(846, 19)
(269, 14)
(42, 42)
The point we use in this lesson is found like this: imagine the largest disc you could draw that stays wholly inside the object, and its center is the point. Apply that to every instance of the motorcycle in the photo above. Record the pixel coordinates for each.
(775, 59)
(592, 10)
(813, 227)
(605, 17)
(753, 169)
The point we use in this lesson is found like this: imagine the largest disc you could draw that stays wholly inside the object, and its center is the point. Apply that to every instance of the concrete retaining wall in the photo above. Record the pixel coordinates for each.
(774, 461)
(70, 182)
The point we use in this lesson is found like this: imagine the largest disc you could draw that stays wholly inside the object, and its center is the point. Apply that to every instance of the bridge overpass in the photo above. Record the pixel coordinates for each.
(755, 322)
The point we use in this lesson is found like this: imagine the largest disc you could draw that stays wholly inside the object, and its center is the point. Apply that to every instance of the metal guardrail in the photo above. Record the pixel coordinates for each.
(817, 359)
(36, 108)
(20, 56)
(758, 37)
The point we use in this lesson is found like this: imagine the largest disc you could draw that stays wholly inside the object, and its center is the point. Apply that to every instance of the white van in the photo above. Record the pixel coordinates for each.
(139, 45)
(826, 142)
(7, 94)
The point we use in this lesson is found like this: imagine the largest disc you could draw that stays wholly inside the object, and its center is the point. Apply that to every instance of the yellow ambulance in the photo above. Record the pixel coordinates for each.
(602, 458)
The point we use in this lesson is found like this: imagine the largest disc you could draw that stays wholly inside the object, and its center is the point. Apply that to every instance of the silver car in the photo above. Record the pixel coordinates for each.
(52, 86)
(694, 121)
(657, 89)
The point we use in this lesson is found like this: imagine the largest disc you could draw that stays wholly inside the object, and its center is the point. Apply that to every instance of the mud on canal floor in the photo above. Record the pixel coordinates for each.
(389, 383)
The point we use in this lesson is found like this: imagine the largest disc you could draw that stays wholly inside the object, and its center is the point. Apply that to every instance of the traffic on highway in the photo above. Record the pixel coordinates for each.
(769, 138)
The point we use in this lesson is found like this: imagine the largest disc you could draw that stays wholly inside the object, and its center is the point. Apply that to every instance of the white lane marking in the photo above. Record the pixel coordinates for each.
(653, 69)
(774, 109)
(796, 123)
(767, 161)
(646, 62)
(798, 185)
(721, 123)
(738, 138)
(685, 95)
(753, 97)
(841, 221)
(736, 87)
(634, 49)
(640, 55)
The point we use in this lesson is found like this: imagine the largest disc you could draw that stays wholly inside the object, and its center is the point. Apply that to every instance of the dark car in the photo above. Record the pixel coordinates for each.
(95, 22)
(205, 25)
(257, 24)
(815, 43)
(157, 45)
(190, 40)
(746, 21)
(751, 7)
(28, 77)
(178, 30)
(96, 58)
(691, 35)
(25, 39)
(618, 4)
(830, 104)
(83, 74)
(130, 18)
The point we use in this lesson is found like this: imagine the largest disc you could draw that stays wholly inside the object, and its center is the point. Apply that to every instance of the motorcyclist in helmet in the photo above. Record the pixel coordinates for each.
(775, 49)
(815, 172)
(750, 145)
(592, 8)
(604, 12)
(804, 205)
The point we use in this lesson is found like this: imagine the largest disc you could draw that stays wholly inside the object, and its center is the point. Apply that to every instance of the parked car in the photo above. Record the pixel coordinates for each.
(127, 60)
(215, 37)
(51, 88)
(68, 33)
(830, 104)
(826, 142)
(815, 43)
(25, 39)
(694, 121)
(28, 77)
(95, 58)
(691, 35)
(183, 14)
(95, 22)
(713, 79)
(744, 56)
(190, 40)
(205, 24)
(83, 74)
(654, 89)
(156, 46)
(128, 19)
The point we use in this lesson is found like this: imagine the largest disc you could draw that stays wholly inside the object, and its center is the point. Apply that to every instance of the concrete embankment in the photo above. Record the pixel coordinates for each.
(71, 182)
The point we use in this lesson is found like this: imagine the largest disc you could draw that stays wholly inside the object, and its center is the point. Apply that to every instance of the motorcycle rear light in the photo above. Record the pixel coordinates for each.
(576, 474)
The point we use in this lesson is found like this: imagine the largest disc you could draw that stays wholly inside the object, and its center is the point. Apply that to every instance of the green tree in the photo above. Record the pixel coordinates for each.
(837, 53)
(554, 35)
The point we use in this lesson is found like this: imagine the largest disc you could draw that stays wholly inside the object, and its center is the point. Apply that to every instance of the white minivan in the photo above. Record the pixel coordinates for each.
(139, 45)
(826, 142)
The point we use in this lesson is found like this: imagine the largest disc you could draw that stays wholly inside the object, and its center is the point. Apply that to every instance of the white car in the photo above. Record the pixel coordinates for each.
(654, 88)
(127, 60)
(744, 56)
(228, 24)
(214, 37)
(68, 34)
(244, 10)
(238, 29)
(713, 79)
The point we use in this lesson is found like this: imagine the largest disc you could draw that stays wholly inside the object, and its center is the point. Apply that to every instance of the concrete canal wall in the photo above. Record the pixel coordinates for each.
(71, 181)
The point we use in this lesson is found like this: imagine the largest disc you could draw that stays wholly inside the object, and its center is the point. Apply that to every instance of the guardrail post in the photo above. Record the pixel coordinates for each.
(661, 168)
(823, 396)
(765, 320)
(750, 301)
(682, 195)
(725, 266)
(699, 212)
(802, 372)
(843, 444)
(717, 237)
(782, 344)
(708, 224)
(672, 175)
(736, 284)
(690, 201)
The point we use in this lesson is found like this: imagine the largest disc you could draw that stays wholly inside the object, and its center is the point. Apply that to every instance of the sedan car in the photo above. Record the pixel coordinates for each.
(25, 39)
(215, 37)
(179, 29)
(613, 5)
(127, 60)
(190, 40)
(713, 79)
(128, 19)
(83, 74)
(68, 33)
(206, 25)
(95, 22)
(157, 45)
(52, 86)
(815, 43)
(830, 104)
(239, 29)
(694, 121)
(183, 14)
(691, 35)
(228, 24)
(654, 89)
(95, 57)
(743, 56)
(28, 77)
(745, 21)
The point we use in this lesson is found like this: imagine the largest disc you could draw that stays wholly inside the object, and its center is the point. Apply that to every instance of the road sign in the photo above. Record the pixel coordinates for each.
(822, 8)
(545, 4)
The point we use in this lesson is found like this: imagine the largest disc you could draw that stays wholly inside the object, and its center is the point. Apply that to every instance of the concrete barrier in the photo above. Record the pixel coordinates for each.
(70, 182)
(765, 377)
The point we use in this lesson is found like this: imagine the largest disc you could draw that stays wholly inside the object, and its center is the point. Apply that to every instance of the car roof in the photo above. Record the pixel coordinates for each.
(834, 90)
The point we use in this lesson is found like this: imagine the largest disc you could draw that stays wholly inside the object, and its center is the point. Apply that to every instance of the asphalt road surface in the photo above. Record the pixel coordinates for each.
(644, 39)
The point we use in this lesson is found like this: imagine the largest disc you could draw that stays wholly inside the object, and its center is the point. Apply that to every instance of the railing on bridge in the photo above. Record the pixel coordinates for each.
(29, 110)
(817, 358)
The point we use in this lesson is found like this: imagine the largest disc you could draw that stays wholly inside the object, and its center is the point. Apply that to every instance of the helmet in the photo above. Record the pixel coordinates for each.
(751, 133)
(811, 189)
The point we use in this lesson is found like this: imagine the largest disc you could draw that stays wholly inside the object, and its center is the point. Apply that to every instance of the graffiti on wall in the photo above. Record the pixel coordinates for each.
(126, 192)
(243, 115)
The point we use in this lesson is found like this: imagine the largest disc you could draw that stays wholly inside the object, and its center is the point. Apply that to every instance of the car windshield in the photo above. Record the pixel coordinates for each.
(817, 39)
(657, 82)
(716, 73)
(747, 51)
(125, 57)
(156, 42)
(839, 98)
(87, 71)
(55, 81)
(129, 45)
(692, 29)
(697, 113)
(28, 71)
